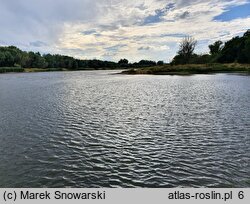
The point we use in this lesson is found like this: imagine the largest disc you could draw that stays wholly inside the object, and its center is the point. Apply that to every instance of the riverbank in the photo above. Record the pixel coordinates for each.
(191, 69)
(32, 70)
(28, 70)
(11, 69)
(156, 70)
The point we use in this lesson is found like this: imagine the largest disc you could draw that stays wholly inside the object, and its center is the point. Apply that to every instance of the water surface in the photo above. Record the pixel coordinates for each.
(96, 129)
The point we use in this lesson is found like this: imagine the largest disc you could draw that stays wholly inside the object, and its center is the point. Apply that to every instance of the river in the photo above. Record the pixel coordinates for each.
(99, 129)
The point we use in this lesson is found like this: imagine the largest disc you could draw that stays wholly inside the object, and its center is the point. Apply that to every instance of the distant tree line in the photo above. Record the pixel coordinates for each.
(236, 50)
(14, 57)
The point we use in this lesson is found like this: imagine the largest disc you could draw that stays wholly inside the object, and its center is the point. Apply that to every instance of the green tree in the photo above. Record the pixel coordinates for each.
(160, 63)
(186, 51)
(236, 50)
(216, 47)
(123, 61)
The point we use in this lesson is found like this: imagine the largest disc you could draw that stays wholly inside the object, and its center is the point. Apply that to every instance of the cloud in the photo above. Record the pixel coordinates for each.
(158, 15)
(27, 21)
(144, 48)
(89, 32)
(184, 15)
(38, 44)
(114, 29)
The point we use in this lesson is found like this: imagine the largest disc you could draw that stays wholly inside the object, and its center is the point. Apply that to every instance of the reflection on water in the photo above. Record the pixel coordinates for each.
(95, 129)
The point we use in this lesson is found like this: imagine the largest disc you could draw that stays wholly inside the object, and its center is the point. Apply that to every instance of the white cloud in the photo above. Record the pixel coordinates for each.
(114, 29)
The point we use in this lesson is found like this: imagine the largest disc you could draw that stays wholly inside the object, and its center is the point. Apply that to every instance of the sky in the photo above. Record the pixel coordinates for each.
(115, 29)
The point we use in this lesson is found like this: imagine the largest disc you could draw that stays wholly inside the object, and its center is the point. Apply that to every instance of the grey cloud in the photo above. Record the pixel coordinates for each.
(38, 44)
(184, 15)
(183, 3)
(109, 27)
(157, 17)
(115, 48)
(144, 48)
(89, 32)
(142, 7)
(26, 21)
(176, 35)
(95, 44)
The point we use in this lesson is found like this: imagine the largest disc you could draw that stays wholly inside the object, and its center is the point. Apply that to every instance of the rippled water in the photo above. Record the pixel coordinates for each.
(96, 129)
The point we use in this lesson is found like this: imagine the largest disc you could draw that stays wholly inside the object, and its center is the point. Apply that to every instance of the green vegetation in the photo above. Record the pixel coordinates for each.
(44, 70)
(236, 50)
(11, 69)
(189, 69)
(12, 59)
(233, 56)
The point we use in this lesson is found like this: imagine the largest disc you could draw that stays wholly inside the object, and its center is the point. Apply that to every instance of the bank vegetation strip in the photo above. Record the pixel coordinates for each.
(190, 69)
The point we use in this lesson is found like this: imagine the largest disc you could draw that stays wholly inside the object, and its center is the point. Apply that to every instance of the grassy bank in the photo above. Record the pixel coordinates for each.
(191, 69)
(20, 69)
(44, 70)
(62, 69)
(11, 69)
(156, 70)
(30, 70)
